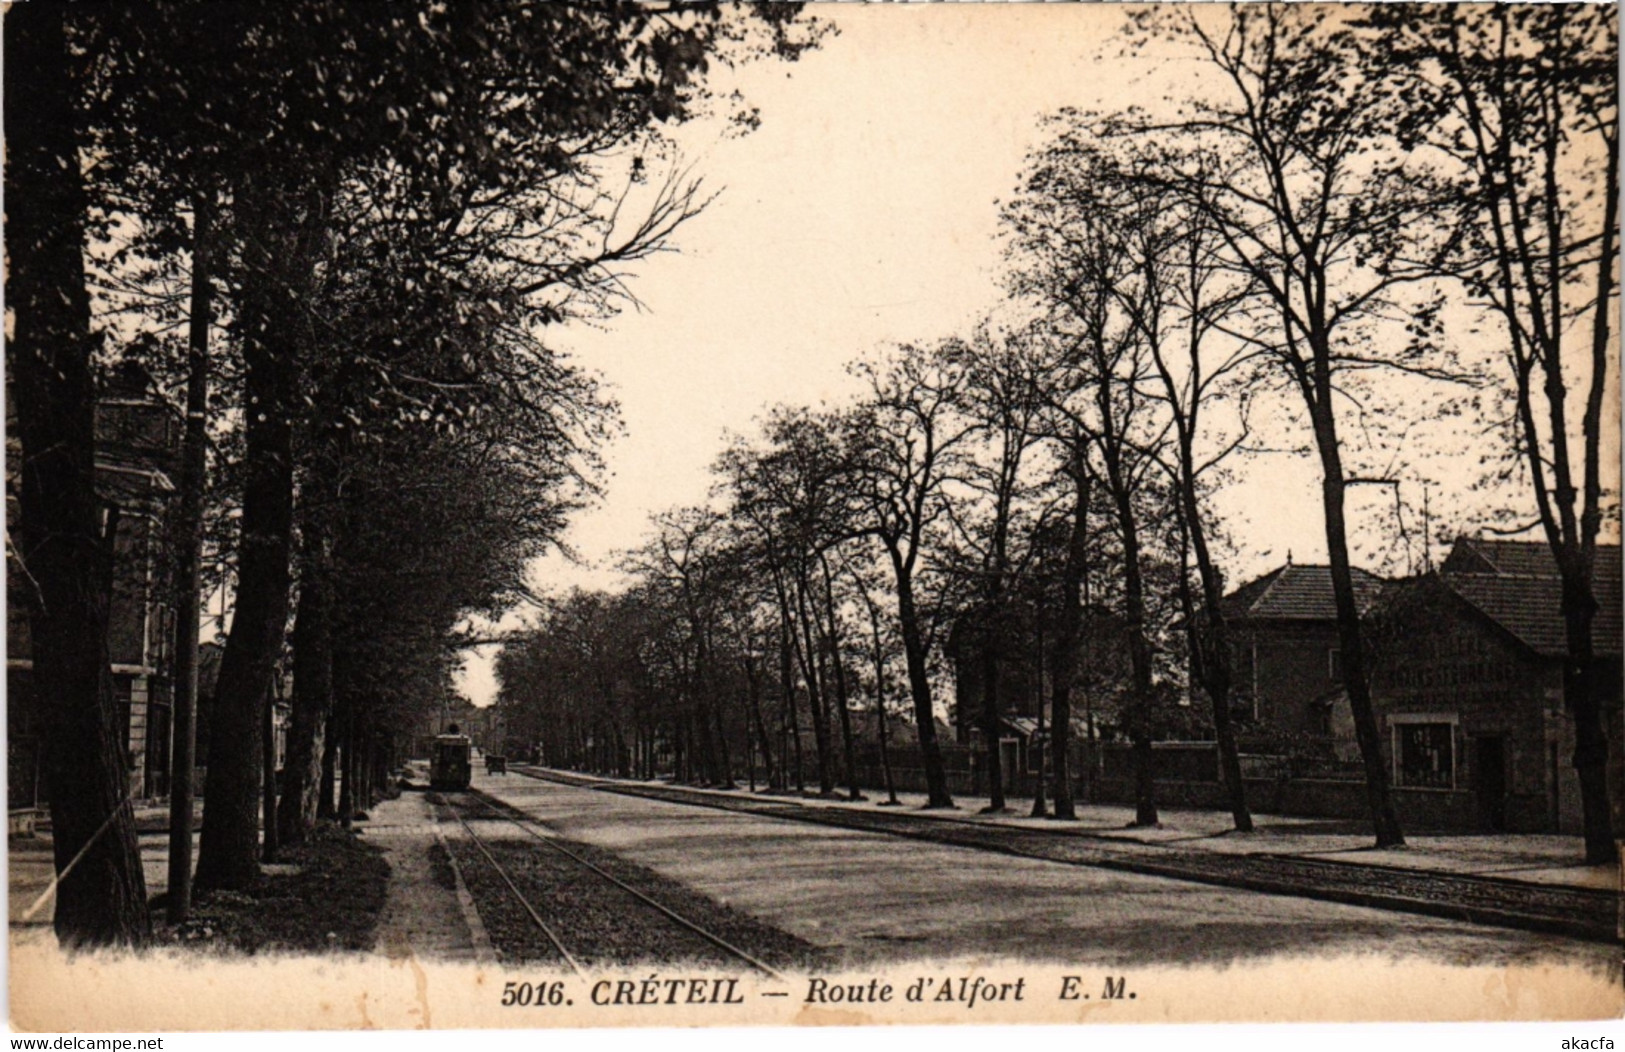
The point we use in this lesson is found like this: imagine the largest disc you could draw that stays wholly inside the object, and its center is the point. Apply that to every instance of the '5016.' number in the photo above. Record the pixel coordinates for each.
(525, 994)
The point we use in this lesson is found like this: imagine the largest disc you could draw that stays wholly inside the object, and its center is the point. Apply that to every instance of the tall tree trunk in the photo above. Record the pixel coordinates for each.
(271, 844)
(1066, 646)
(988, 638)
(698, 751)
(885, 750)
(327, 805)
(365, 748)
(788, 686)
(1519, 193)
(807, 652)
(880, 707)
(993, 636)
(189, 561)
(1141, 731)
(686, 756)
(1582, 686)
(841, 701)
(1208, 636)
(278, 268)
(363, 757)
(312, 695)
(1210, 654)
(841, 697)
(1145, 787)
(229, 845)
(103, 899)
(919, 684)
(1040, 804)
(702, 749)
(702, 727)
(725, 754)
(346, 765)
(1384, 820)
(359, 766)
(1578, 567)
(754, 678)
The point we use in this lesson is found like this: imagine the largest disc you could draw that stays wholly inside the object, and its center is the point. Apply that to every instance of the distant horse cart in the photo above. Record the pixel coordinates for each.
(496, 764)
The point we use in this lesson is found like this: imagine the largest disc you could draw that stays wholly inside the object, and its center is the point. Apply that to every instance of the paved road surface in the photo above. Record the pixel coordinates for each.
(869, 897)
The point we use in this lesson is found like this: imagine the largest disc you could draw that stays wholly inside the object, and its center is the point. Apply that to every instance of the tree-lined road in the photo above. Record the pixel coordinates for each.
(361, 244)
(865, 897)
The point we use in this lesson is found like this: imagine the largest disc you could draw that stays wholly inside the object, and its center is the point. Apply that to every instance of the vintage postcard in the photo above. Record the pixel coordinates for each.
(529, 516)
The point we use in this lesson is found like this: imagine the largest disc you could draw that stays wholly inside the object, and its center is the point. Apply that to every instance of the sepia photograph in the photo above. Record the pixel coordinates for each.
(571, 516)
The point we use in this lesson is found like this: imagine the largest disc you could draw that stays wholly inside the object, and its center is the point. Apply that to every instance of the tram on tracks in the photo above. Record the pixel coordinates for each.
(449, 766)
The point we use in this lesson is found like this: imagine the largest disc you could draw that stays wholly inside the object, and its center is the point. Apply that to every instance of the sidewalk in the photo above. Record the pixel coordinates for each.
(428, 912)
(30, 866)
(1533, 858)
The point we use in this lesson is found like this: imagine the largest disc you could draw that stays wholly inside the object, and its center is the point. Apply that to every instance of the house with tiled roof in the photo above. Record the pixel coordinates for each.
(1466, 667)
(1515, 584)
(1467, 682)
(1287, 659)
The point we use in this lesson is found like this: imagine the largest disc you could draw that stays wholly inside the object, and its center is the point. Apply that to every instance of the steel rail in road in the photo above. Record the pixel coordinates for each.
(528, 824)
(1498, 902)
(552, 936)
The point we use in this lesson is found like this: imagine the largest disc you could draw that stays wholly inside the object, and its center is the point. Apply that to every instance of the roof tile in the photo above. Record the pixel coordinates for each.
(1298, 593)
(1516, 585)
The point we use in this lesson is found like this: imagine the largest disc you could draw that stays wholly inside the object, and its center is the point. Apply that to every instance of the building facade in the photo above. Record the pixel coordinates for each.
(1467, 679)
(137, 440)
(1286, 656)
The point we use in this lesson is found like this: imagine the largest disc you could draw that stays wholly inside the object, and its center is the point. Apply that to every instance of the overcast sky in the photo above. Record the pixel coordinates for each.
(862, 212)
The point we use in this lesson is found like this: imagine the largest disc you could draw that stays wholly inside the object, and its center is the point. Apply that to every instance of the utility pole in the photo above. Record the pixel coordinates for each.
(1040, 806)
(189, 570)
(1427, 533)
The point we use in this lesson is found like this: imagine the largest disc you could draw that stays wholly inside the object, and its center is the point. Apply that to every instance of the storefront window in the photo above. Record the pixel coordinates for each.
(1426, 755)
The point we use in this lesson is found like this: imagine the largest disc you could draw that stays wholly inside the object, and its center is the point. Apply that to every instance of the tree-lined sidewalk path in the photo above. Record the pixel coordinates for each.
(428, 912)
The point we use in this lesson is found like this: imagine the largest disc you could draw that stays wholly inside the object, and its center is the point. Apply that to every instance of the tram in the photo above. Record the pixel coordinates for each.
(449, 762)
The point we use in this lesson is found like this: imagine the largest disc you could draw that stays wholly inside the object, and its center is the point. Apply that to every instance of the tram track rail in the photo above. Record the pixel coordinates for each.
(519, 896)
(1590, 915)
(500, 811)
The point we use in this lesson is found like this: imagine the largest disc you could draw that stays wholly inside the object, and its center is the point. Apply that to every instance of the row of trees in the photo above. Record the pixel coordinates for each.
(1349, 212)
(846, 556)
(342, 232)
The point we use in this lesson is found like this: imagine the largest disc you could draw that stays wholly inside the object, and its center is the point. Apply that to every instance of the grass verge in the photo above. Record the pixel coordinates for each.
(324, 896)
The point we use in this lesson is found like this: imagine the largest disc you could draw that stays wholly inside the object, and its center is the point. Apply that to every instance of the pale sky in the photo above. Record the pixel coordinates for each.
(862, 212)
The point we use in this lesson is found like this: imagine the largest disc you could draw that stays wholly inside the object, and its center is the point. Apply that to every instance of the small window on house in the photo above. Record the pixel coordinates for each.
(1244, 680)
(124, 701)
(1334, 664)
(1321, 718)
(1426, 755)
